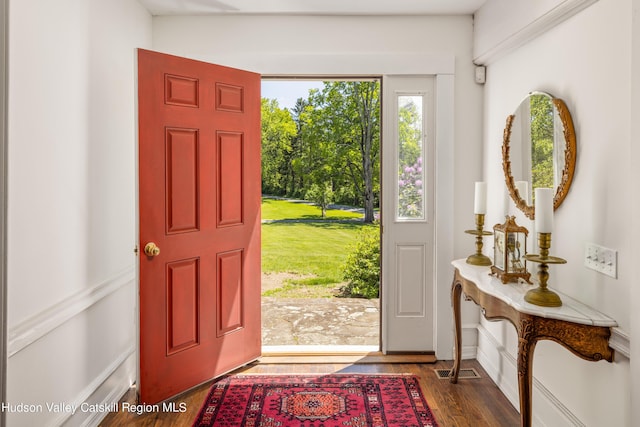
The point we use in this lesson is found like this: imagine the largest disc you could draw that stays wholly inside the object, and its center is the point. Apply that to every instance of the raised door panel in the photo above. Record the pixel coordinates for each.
(182, 187)
(180, 90)
(230, 292)
(183, 305)
(230, 177)
(229, 98)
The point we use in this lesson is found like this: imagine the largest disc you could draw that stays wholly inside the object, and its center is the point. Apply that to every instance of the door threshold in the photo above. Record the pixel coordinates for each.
(341, 354)
(307, 350)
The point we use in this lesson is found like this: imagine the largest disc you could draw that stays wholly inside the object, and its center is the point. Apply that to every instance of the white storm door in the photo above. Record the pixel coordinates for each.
(408, 214)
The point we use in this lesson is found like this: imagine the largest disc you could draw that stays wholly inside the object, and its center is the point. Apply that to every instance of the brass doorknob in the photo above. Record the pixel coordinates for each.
(151, 249)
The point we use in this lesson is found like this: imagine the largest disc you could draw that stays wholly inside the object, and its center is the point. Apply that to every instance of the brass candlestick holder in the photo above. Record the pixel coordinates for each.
(541, 295)
(479, 258)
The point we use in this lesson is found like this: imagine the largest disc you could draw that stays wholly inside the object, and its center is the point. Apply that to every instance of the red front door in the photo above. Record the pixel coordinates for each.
(199, 206)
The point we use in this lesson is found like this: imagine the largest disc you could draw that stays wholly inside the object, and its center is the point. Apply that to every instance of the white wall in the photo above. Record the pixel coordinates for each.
(71, 196)
(320, 45)
(4, 67)
(586, 60)
(634, 300)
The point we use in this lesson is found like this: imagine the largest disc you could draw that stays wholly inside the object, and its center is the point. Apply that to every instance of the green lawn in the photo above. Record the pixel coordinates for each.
(284, 209)
(317, 248)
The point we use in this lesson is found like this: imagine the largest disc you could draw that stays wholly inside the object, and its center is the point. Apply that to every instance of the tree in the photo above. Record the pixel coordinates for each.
(336, 144)
(321, 195)
(343, 136)
(409, 133)
(303, 159)
(542, 135)
(278, 131)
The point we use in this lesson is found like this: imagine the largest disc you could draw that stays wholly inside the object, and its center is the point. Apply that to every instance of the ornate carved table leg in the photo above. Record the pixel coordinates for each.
(526, 345)
(456, 291)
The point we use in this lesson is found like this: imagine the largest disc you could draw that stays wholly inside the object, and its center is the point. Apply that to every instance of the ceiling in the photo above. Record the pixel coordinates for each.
(312, 7)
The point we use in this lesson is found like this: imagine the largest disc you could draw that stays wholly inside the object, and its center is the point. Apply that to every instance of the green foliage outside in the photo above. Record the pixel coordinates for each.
(409, 131)
(322, 195)
(315, 250)
(410, 173)
(331, 139)
(362, 267)
(325, 150)
(542, 135)
(278, 129)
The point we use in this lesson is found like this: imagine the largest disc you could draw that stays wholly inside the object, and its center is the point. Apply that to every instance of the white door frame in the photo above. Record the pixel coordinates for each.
(442, 67)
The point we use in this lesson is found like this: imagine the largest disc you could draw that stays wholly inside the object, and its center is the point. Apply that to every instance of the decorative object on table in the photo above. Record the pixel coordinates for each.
(544, 224)
(316, 400)
(479, 209)
(509, 248)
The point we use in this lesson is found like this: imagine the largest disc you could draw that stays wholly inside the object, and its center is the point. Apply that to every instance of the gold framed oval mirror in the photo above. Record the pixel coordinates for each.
(538, 150)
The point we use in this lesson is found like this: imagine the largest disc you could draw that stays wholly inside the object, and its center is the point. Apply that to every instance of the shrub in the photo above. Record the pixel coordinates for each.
(362, 267)
(410, 191)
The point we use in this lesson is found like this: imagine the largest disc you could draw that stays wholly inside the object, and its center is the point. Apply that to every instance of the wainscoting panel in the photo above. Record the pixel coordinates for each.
(103, 392)
(501, 366)
(79, 351)
(34, 328)
(469, 340)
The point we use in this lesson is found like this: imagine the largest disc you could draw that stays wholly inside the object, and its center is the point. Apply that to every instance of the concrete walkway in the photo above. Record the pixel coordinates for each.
(320, 321)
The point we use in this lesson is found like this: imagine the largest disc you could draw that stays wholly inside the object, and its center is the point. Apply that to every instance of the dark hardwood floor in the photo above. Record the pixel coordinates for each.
(473, 402)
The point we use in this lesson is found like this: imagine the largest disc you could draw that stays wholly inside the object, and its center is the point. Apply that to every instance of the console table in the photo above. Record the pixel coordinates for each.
(579, 328)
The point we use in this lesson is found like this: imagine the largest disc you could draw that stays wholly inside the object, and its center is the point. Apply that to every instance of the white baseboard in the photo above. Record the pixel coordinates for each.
(104, 391)
(502, 368)
(499, 364)
(469, 341)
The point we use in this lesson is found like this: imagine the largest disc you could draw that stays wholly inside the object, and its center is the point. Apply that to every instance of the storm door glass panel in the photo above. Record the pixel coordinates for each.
(410, 195)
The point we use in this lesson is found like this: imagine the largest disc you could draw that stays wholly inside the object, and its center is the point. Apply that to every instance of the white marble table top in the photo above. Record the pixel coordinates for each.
(513, 294)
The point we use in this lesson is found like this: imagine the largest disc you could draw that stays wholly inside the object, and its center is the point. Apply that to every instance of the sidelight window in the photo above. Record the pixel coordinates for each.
(410, 165)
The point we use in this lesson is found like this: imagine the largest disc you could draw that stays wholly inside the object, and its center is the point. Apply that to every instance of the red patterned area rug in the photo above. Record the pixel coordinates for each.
(316, 401)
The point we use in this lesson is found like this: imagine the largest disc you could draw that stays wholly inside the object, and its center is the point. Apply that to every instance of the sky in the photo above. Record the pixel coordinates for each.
(288, 91)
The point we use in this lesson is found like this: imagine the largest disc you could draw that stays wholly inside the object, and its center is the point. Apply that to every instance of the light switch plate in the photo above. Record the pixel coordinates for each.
(601, 259)
(481, 74)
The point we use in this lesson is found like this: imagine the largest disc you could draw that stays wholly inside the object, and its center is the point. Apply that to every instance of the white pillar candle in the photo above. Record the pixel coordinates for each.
(506, 198)
(544, 210)
(523, 190)
(480, 202)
